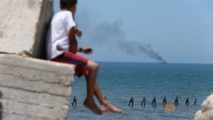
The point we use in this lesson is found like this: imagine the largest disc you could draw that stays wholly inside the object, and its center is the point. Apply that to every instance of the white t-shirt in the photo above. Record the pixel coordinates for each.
(58, 34)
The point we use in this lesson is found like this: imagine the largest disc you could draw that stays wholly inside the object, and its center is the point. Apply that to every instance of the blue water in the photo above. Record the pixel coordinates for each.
(121, 81)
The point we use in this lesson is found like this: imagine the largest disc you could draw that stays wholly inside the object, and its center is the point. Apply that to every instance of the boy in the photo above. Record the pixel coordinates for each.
(62, 47)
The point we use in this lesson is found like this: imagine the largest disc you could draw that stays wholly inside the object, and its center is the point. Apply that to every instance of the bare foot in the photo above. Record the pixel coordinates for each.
(109, 107)
(93, 107)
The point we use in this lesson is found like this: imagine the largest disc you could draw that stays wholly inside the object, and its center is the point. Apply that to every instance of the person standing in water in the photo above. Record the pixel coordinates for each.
(164, 101)
(187, 101)
(131, 101)
(143, 102)
(195, 103)
(176, 101)
(154, 102)
(74, 102)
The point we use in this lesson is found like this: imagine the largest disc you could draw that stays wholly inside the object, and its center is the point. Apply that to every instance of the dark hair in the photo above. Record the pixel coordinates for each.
(67, 3)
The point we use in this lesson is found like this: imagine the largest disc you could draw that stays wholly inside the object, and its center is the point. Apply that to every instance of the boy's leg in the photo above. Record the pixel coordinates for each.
(71, 58)
(92, 67)
(91, 81)
(105, 105)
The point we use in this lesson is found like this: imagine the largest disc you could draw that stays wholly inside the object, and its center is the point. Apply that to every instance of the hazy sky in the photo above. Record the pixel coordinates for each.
(177, 31)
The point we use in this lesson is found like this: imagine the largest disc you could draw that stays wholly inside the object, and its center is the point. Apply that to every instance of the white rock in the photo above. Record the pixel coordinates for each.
(206, 111)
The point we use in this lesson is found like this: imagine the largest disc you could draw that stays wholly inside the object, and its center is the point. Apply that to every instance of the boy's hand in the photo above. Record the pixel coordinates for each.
(78, 32)
(87, 50)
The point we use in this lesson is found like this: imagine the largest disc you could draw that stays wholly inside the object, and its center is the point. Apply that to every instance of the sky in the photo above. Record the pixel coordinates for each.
(174, 31)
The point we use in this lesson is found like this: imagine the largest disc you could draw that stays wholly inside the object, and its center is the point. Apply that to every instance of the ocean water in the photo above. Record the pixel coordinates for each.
(121, 81)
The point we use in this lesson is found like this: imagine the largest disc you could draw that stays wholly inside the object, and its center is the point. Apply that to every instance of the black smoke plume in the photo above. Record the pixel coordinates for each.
(112, 34)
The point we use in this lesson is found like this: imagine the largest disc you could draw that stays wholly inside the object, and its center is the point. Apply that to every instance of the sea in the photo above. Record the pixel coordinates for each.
(119, 81)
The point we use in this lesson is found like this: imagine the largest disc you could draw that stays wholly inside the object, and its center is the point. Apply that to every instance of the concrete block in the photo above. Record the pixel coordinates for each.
(33, 89)
(23, 25)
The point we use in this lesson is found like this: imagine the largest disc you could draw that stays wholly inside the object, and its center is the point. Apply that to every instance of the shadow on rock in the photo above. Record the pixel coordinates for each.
(1, 107)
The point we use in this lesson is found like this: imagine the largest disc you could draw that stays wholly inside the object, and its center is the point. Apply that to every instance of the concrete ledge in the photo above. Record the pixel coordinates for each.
(34, 89)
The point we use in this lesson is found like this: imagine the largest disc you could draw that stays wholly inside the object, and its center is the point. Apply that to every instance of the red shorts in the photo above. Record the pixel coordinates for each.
(71, 58)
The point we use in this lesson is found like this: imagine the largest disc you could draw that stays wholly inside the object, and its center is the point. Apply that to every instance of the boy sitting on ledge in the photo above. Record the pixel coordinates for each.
(62, 47)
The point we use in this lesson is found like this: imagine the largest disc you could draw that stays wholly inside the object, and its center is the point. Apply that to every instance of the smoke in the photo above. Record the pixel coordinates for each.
(107, 33)
(112, 34)
(135, 47)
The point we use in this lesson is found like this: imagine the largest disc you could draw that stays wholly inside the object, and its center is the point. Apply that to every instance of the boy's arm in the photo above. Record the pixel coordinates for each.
(74, 44)
(73, 41)
(78, 32)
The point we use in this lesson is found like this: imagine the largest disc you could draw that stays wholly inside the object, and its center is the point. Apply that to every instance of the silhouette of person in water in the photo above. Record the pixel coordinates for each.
(195, 101)
(74, 102)
(187, 101)
(131, 102)
(143, 103)
(164, 101)
(176, 101)
(105, 98)
(154, 102)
